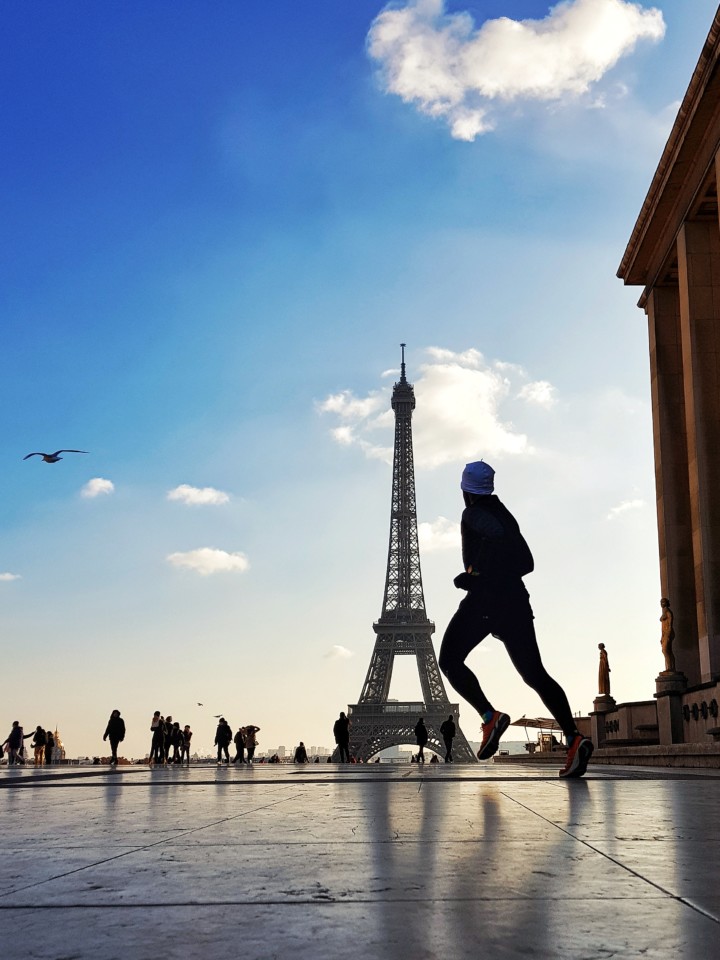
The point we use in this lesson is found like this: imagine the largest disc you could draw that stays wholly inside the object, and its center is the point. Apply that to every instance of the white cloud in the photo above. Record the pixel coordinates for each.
(197, 495)
(97, 487)
(461, 399)
(10, 576)
(624, 507)
(541, 393)
(350, 407)
(446, 67)
(338, 652)
(208, 560)
(440, 534)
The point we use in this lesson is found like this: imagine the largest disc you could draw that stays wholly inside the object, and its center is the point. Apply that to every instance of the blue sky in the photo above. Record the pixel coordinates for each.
(218, 223)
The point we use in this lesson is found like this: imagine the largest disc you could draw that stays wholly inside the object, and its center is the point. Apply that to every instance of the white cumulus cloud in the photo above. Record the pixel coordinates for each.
(97, 487)
(461, 412)
(197, 495)
(541, 393)
(10, 576)
(624, 507)
(440, 534)
(208, 560)
(450, 69)
(338, 652)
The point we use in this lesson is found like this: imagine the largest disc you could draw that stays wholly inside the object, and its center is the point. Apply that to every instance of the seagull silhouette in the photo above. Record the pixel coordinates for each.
(52, 457)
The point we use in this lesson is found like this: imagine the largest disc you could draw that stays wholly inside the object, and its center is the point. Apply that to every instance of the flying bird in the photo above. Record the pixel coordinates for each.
(201, 704)
(52, 457)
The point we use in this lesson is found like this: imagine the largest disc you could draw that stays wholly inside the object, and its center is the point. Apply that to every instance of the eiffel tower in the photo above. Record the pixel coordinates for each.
(403, 628)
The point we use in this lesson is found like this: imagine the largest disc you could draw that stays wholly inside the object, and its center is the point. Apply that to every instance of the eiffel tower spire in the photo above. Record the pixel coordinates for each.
(403, 627)
(404, 599)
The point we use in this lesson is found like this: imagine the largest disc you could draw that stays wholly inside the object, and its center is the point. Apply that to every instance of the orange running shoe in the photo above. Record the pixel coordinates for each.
(492, 731)
(580, 750)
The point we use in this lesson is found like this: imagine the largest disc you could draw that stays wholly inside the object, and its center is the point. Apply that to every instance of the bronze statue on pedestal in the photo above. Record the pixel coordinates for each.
(603, 672)
(667, 636)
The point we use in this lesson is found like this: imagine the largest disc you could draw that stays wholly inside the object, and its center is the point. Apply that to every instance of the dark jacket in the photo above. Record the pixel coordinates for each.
(223, 734)
(115, 729)
(341, 730)
(421, 734)
(492, 545)
(16, 737)
(447, 729)
(39, 738)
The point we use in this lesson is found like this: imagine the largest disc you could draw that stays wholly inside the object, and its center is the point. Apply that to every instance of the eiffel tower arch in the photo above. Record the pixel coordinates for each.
(403, 628)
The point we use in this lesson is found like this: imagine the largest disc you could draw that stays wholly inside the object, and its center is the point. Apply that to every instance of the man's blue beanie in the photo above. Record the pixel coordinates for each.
(478, 478)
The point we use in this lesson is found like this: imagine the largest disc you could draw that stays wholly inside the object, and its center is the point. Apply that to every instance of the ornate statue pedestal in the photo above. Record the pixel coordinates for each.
(670, 681)
(602, 704)
(670, 686)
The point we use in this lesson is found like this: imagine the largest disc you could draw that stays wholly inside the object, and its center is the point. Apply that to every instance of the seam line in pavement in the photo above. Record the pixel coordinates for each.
(314, 902)
(617, 863)
(148, 846)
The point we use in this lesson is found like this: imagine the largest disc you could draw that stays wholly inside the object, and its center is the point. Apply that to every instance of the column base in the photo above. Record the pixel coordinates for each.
(670, 687)
(670, 681)
(604, 703)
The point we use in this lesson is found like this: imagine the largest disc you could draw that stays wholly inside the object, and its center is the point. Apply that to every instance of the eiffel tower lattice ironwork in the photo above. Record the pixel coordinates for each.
(403, 628)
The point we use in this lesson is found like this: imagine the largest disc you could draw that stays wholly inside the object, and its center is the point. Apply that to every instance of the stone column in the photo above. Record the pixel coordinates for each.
(699, 287)
(602, 704)
(670, 688)
(677, 575)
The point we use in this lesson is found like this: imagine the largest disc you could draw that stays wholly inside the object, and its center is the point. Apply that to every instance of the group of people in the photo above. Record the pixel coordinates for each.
(448, 731)
(245, 741)
(170, 743)
(43, 744)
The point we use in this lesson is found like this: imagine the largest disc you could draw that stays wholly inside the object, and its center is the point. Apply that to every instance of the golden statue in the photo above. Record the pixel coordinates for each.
(603, 672)
(667, 636)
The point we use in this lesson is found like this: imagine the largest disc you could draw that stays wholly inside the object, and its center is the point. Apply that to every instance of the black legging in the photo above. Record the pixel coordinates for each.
(157, 748)
(510, 620)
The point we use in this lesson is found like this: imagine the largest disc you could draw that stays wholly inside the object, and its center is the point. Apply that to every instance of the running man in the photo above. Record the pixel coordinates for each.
(496, 558)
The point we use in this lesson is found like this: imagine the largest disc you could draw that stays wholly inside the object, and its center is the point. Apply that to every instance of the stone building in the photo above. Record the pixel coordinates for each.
(674, 254)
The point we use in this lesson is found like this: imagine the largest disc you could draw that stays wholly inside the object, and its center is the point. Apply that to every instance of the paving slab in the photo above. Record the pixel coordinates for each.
(379, 861)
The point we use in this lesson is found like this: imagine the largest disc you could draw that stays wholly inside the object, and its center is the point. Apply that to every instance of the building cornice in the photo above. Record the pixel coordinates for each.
(689, 152)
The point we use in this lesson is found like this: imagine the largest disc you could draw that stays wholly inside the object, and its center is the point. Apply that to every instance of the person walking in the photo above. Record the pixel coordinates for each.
(251, 741)
(223, 739)
(300, 754)
(49, 747)
(239, 741)
(115, 733)
(38, 744)
(176, 738)
(14, 743)
(167, 738)
(447, 732)
(341, 732)
(421, 736)
(157, 745)
(495, 559)
(185, 745)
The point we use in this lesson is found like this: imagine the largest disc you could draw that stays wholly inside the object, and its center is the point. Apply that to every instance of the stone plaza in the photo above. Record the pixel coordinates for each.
(360, 861)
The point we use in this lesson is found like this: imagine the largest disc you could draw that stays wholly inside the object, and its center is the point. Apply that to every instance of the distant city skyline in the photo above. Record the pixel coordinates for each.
(219, 227)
